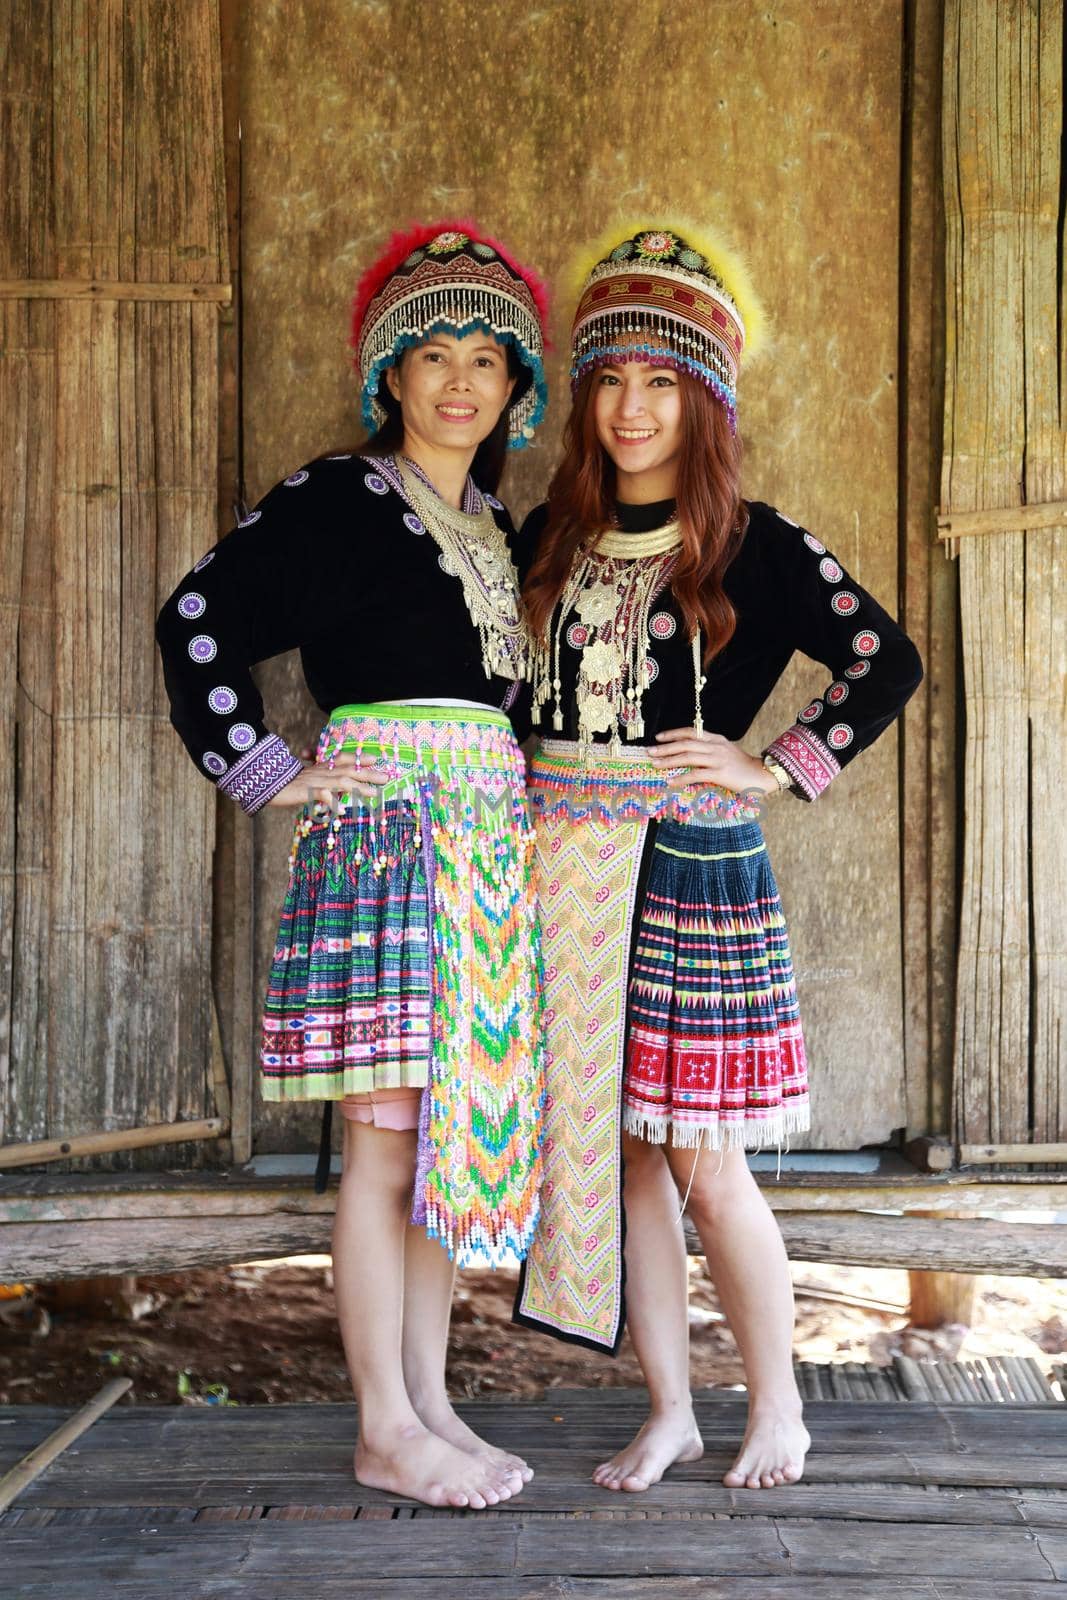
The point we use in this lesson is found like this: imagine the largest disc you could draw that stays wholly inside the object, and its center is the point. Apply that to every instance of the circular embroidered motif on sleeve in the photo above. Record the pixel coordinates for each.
(213, 763)
(652, 668)
(836, 693)
(811, 713)
(295, 479)
(866, 642)
(492, 502)
(840, 736)
(203, 648)
(246, 522)
(223, 700)
(242, 736)
(202, 563)
(811, 541)
(858, 669)
(376, 483)
(192, 606)
(577, 635)
(413, 523)
(830, 570)
(662, 625)
(844, 603)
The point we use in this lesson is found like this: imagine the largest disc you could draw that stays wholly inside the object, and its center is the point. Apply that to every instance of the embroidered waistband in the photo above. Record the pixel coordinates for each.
(452, 766)
(571, 780)
(437, 738)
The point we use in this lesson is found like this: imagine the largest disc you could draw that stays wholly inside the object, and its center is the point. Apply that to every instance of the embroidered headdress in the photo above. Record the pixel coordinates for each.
(450, 277)
(686, 292)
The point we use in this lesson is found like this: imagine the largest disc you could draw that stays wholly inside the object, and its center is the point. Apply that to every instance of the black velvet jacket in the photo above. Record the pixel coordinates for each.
(333, 562)
(789, 593)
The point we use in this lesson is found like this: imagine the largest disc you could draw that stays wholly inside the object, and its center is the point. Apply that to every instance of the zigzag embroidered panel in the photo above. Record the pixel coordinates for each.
(587, 880)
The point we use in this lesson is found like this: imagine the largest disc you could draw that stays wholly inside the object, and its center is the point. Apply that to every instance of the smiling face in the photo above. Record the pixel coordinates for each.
(451, 391)
(638, 414)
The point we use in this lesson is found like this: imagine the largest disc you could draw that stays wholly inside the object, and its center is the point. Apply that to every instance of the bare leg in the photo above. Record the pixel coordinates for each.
(750, 1270)
(395, 1450)
(428, 1279)
(657, 1316)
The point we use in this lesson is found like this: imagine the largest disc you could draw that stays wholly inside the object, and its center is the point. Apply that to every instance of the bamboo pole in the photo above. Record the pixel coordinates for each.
(30, 1467)
(1008, 519)
(100, 1144)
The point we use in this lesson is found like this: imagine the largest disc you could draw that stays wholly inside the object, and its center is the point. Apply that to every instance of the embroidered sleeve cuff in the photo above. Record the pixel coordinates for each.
(261, 774)
(810, 764)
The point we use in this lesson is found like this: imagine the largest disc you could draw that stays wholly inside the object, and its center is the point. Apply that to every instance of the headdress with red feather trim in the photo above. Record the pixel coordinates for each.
(450, 276)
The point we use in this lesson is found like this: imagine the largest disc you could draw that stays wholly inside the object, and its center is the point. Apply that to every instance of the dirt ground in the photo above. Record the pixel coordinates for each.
(265, 1333)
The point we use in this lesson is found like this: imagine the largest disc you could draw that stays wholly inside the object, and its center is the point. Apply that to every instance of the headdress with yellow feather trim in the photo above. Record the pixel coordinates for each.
(686, 291)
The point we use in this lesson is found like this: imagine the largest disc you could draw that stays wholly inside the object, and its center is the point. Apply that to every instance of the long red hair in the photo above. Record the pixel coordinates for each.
(711, 513)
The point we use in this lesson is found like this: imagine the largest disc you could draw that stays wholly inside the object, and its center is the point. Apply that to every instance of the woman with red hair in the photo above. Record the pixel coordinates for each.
(405, 981)
(663, 609)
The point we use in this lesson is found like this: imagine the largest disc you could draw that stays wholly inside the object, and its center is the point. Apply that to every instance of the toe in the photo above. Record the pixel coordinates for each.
(752, 1481)
(734, 1479)
(634, 1483)
(792, 1471)
(778, 1475)
(767, 1480)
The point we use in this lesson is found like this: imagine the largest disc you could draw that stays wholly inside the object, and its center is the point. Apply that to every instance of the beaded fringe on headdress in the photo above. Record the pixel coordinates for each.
(449, 277)
(674, 296)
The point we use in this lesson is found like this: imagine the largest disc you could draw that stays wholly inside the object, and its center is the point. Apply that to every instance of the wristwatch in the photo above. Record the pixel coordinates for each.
(778, 772)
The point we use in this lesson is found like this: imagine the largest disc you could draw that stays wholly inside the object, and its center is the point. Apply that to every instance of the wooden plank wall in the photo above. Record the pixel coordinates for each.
(786, 129)
(115, 260)
(929, 600)
(1005, 446)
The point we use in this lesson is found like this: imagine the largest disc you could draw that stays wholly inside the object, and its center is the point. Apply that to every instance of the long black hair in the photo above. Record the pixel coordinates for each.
(490, 458)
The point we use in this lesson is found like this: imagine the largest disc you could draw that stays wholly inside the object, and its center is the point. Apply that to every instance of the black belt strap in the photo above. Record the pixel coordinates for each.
(322, 1166)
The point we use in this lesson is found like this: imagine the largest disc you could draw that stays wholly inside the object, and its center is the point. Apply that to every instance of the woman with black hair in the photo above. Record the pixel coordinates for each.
(405, 982)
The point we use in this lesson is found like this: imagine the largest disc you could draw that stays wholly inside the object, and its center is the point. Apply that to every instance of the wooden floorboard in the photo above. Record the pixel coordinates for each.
(913, 1501)
(532, 1546)
(708, 1587)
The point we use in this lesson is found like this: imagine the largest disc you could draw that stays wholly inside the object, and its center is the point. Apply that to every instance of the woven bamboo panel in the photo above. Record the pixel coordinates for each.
(108, 490)
(776, 123)
(1005, 444)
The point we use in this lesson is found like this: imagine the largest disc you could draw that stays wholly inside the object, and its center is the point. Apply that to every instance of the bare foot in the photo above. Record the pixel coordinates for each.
(443, 1421)
(772, 1451)
(661, 1441)
(414, 1462)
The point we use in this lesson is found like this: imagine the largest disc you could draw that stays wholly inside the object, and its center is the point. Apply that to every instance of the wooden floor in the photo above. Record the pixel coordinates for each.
(916, 1501)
